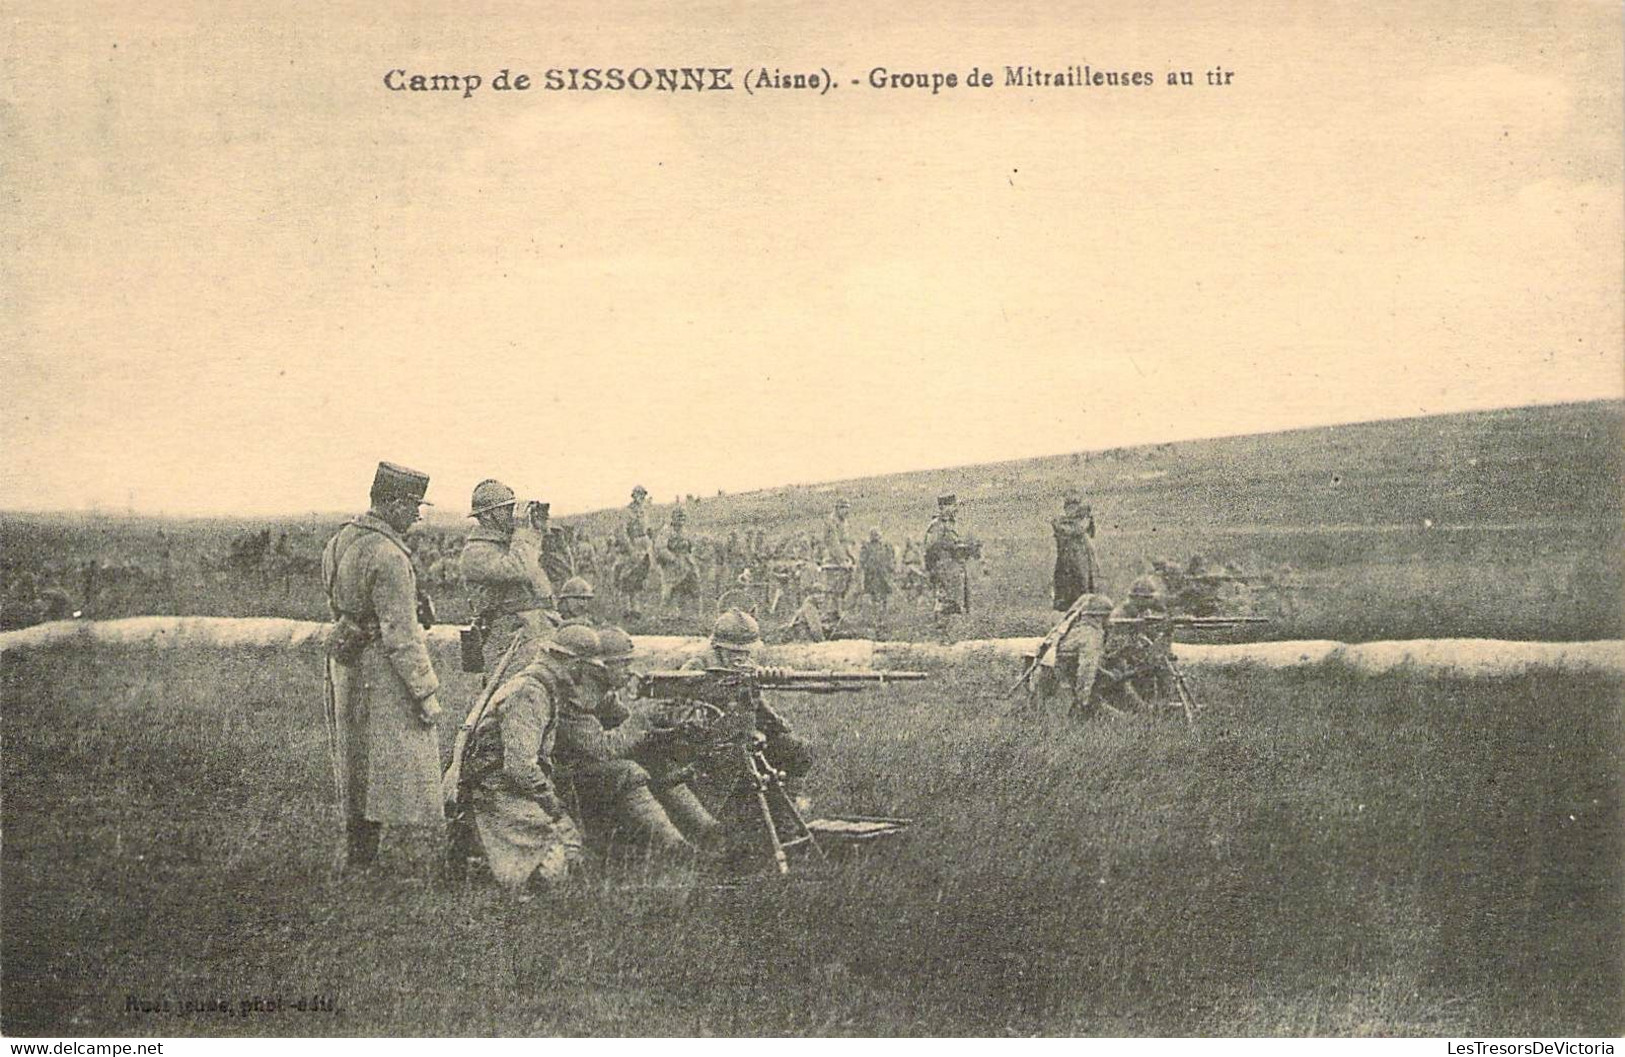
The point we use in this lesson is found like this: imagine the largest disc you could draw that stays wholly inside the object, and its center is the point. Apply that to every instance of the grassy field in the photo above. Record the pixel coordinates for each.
(1502, 524)
(1327, 854)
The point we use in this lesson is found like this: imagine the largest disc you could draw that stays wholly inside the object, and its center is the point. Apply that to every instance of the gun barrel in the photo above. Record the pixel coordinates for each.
(688, 680)
(1193, 622)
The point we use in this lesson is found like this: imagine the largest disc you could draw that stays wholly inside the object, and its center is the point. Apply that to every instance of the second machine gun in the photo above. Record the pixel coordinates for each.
(718, 708)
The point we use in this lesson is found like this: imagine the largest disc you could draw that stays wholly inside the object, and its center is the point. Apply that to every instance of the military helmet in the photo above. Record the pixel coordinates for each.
(736, 630)
(614, 644)
(488, 495)
(1145, 587)
(575, 640)
(1072, 499)
(639, 490)
(843, 503)
(1097, 606)
(575, 587)
(678, 516)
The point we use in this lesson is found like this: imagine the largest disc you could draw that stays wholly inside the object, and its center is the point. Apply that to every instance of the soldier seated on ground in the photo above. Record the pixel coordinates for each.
(807, 623)
(608, 754)
(734, 639)
(1134, 672)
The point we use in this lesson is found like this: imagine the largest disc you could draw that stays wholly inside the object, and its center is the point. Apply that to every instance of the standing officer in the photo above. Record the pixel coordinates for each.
(381, 702)
(1076, 570)
(508, 593)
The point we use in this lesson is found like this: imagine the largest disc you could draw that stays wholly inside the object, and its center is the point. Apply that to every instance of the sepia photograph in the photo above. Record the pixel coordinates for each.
(607, 520)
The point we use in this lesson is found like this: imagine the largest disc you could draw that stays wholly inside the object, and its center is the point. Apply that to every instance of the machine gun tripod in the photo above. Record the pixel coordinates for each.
(718, 709)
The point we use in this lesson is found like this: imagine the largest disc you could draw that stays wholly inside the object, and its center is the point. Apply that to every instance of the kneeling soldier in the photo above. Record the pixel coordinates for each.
(520, 821)
(1077, 661)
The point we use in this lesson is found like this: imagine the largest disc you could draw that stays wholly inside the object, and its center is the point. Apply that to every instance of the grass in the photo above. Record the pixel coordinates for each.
(1327, 854)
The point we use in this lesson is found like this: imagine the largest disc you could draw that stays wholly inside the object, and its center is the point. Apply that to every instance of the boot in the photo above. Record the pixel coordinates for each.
(647, 820)
(362, 844)
(690, 816)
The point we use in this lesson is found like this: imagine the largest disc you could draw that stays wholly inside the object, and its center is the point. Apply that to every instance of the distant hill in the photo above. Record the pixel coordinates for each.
(1518, 465)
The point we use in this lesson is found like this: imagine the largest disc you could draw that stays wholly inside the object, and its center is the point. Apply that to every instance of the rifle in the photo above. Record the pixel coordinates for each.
(451, 782)
(722, 705)
(1050, 642)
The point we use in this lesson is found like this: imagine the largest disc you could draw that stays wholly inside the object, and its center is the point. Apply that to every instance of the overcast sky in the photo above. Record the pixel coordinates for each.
(239, 271)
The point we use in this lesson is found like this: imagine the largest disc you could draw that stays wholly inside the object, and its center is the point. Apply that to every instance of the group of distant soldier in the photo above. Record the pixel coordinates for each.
(1117, 658)
(550, 753)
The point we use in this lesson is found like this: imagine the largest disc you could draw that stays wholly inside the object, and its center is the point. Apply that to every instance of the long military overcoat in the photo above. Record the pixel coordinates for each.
(386, 761)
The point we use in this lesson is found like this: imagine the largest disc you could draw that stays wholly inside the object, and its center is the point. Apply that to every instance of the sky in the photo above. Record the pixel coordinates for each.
(240, 271)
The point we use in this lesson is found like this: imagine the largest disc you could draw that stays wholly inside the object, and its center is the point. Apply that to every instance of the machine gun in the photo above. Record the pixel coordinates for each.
(1198, 623)
(718, 708)
(1160, 666)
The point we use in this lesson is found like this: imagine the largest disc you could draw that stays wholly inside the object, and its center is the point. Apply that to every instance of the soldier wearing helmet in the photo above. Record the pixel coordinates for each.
(679, 567)
(1077, 572)
(877, 562)
(947, 548)
(809, 623)
(519, 819)
(840, 556)
(608, 753)
(1138, 642)
(635, 555)
(734, 640)
(508, 591)
(1065, 680)
(575, 601)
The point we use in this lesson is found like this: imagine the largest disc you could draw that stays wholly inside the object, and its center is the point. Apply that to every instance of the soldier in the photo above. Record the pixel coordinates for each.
(807, 623)
(519, 819)
(915, 580)
(1076, 570)
(508, 593)
(1138, 641)
(878, 563)
(575, 601)
(840, 556)
(1076, 662)
(734, 639)
(607, 754)
(636, 546)
(946, 550)
(558, 559)
(382, 704)
(680, 572)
